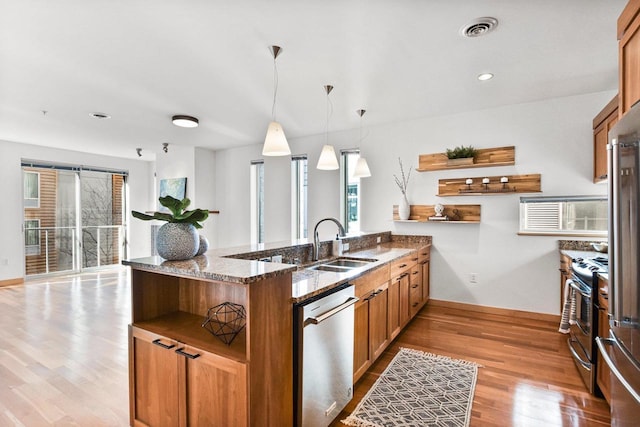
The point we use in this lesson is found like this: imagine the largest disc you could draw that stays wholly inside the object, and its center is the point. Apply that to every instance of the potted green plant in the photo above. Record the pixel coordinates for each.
(178, 238)
(461, 155)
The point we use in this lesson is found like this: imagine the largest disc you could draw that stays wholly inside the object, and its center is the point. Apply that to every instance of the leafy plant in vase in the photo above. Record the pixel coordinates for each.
(461, 155)
(404, 209)
(178, 238)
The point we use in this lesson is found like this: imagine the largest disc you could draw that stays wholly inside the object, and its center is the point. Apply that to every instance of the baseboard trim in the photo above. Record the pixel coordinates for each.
(496, 310)
(11, 282)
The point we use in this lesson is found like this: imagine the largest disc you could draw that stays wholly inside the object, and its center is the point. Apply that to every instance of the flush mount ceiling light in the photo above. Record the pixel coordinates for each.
(98, 115)
(185, 121)
(485, 76)
(328, 160)
(362, 167)
(275, 142)
(479, 27)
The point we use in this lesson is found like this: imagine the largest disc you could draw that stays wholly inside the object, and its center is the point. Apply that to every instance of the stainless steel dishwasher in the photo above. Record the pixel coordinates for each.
(323, 357)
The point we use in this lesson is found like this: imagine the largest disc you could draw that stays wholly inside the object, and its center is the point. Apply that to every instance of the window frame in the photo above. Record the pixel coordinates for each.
(27, 200)
(562, 202)
(299, 196)
(257, 201)
(345, 202)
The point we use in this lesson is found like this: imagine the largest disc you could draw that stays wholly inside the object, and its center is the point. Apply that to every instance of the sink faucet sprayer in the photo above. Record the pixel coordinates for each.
(316, 240)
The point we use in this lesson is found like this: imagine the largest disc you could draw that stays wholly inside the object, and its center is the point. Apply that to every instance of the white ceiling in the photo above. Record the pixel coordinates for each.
(142, 61)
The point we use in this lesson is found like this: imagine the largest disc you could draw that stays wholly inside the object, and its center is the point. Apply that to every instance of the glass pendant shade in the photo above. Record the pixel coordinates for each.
(328, 160)
(275, 143)
(362, 169)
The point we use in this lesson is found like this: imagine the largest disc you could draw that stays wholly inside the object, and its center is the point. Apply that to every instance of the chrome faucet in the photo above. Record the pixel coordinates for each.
(316, 240)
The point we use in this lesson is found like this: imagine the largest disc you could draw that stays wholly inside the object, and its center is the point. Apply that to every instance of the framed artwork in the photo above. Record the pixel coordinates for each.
(174, 187)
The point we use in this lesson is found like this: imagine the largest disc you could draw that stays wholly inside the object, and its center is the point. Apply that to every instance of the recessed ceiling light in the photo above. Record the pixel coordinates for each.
(485, 76)
(185, 121)
(100, 116)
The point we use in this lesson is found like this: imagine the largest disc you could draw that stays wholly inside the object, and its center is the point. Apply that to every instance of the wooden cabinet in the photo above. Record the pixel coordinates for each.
(415, 293)
(424, 259)
(399, 286)
(629, 56)
(565, 273)
(181, 375)
(371, 333)
(603, 372)
(177, 385)
(602, 124)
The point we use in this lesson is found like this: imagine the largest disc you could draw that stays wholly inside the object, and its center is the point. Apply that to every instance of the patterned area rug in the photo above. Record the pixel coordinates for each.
(419, 389)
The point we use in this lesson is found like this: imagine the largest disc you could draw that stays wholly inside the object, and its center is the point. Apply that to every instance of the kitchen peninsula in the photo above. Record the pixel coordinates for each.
(180, 374)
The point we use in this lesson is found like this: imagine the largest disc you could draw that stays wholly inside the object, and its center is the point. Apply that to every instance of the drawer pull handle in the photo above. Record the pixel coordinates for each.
(189, 355)
(159, 343)
(414, 259)
(402, 266)
(415, 272)
(414, 304)
(415, 286)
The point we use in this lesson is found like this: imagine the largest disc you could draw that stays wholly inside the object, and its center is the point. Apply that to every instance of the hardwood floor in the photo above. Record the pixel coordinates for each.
(527, 376)
(63, 359)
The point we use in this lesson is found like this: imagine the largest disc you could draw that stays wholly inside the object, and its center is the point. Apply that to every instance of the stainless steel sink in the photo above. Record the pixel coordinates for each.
(342, 265)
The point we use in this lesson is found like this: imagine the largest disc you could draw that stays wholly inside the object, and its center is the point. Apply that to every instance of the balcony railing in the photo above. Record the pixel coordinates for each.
(56, 249)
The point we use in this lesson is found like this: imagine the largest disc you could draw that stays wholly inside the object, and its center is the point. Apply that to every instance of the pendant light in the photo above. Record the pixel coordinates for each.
(328, 160)
(275, 143)
(362, 168)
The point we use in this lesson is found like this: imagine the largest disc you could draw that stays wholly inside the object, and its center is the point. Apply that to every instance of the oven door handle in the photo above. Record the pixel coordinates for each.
(585, 365)
(579, 289)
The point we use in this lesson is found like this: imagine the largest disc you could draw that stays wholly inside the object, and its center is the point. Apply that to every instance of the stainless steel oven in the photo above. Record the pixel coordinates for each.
(583, 332)
(584, 283)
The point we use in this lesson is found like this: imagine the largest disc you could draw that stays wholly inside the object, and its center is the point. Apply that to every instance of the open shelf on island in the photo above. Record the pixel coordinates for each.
(486, 157)
(516, 184)
(455, 214)
(186, 327)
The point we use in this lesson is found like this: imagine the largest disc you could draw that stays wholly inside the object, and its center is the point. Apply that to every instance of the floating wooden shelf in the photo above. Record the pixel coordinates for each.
(500, 156)
(458, 214)
(517, 184)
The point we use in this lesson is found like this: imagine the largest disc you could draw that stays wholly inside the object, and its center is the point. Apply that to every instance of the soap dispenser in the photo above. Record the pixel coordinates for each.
(337, 246)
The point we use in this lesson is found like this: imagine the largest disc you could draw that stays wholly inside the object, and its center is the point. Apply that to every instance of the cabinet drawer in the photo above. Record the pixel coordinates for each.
(415, 298)
(424, 253)
(371, 281)
(402, 265)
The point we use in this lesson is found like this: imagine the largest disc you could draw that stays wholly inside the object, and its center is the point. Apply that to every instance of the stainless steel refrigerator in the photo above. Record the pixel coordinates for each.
(621, 350)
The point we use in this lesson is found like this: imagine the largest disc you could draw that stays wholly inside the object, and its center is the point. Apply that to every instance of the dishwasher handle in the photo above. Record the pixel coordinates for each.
(327, 314)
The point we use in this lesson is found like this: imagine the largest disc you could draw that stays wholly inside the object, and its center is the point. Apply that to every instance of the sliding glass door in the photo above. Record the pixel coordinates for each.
(73, 218)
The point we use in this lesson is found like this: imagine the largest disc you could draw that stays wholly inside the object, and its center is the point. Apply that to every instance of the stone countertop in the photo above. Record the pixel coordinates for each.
(309, 283)
(212, 267)
(306, 283)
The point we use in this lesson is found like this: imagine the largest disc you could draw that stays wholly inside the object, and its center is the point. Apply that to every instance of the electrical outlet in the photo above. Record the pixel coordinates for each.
(473, 278)
(345, 247)
(378, 239)
(276, 258)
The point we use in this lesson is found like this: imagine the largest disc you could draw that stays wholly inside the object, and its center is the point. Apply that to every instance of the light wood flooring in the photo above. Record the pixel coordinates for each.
(63, 358)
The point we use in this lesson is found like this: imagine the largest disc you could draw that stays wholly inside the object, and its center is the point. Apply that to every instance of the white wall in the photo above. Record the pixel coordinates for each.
(11, 154)
(552, 137)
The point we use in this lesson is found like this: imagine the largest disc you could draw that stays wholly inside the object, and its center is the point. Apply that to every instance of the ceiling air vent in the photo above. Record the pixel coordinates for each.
(479, 27)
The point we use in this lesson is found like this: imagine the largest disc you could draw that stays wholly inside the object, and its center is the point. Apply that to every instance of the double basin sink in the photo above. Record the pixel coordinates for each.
(342, 265)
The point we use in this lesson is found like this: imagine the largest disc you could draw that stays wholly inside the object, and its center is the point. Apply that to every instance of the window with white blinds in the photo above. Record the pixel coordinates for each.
(571, 215)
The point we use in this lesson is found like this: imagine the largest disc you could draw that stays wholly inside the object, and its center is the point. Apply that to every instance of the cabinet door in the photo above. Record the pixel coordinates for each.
(629, 57)
(378, 322)
(415, 293)
(600, 153)
(153, 380)
(393, 311)
(565, 273)
(425, 281)
(214, 389)
(361, 348)
(404, 299)
(603, 372)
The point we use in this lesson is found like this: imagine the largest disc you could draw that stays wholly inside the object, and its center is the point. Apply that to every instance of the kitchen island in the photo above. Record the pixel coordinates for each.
(180, 374)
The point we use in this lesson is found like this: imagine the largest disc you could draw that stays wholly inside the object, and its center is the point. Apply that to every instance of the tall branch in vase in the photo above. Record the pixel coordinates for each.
(402, 182)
